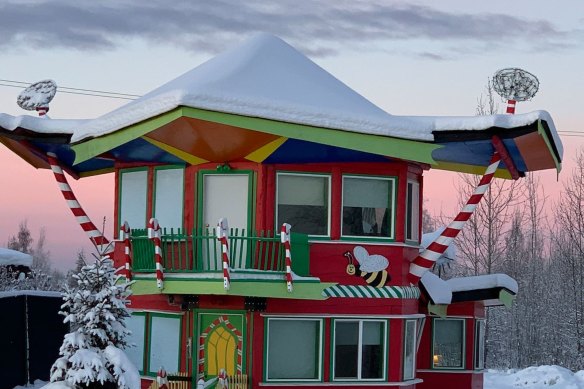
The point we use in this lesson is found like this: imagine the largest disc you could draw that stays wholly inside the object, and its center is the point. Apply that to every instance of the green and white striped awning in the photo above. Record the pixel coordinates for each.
(362, 291)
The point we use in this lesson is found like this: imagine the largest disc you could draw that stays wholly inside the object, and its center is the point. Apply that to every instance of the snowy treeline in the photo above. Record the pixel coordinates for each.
(511, 233)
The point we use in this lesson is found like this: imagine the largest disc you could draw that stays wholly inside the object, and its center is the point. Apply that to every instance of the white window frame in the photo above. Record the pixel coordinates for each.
(410, 375)
(133, 199)
(174, 204)
(463, 357)
(319, 349)
(414, 231)
(385, 330)
(392, 211)
(479, 344)
(307, 174)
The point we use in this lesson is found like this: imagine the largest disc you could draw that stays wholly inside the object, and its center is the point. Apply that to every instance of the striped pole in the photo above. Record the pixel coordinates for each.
(285, 239)
(222, 237)
(154, 236)
(428, 257)
(102, 245)
(125, 235)
(511, 106)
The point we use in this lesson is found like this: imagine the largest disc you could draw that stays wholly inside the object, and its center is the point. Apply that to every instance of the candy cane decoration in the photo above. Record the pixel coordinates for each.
(222, 237)
(154, 236)
(428, 257)
(102, 245)
(162, 378)
(285, 239)
(125, 235)
(511, 106)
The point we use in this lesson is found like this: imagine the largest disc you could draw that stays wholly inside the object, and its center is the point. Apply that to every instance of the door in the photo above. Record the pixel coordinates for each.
(221, 344)
(225, 196)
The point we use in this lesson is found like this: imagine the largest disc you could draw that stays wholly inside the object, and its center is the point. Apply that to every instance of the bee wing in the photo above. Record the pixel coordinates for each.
(369, 263)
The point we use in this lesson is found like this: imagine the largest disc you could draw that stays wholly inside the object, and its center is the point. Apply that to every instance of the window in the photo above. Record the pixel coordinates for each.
(479, 345)
(368, 206)
(303, 202)
(413, 211)
(157, 344)
(294, 349)
(410, 349)
(448, 346)
(133, 195)
(137, 324)
(359, 352)
(168, 197)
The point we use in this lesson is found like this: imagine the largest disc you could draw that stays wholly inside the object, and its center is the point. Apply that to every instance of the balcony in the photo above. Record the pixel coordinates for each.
(200, 251)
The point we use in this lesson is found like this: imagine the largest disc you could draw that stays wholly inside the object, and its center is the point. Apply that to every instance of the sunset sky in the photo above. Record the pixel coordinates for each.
(409, 58)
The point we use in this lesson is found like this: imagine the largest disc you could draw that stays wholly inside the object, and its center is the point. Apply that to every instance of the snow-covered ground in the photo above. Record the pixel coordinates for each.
(538, 377)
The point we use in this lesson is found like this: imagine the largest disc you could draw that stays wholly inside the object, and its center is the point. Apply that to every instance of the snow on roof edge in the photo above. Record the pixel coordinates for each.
(486, 281)
(39, 293)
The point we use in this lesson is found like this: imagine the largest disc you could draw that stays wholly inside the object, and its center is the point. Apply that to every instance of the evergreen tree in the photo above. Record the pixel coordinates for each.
(91, 354)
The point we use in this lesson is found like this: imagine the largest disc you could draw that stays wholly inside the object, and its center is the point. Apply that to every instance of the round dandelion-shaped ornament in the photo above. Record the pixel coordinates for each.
(515, 84)
(37, 96)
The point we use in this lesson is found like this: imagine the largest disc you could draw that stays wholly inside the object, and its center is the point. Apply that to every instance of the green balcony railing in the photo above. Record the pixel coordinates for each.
(200, 251)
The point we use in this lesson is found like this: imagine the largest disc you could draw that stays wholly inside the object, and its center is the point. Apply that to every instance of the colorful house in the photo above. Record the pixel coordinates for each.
(274, 220)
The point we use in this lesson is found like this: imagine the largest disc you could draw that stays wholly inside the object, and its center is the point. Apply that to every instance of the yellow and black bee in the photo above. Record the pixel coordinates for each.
(372, 268)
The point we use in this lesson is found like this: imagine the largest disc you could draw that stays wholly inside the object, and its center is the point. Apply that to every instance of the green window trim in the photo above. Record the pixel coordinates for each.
(326, 175)
(121, 172)
(154, 183)
(384, 344)
(319, 347)
(479, 344)
(148, 315)
(250, 198)
(392, 204)
(414, 224)
(410, 375)
(463, 344)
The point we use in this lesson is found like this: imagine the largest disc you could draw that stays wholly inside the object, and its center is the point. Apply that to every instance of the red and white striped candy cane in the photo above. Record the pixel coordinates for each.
(154, 236)
(285, 239)
(511, 106)
(125, 235)
(102, 245)
(428, 257)
(222, 237)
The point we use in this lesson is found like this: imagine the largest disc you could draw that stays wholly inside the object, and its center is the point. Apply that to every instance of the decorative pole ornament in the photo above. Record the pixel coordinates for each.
(102, 245)
(162, 378)
(221, 232)
(154, 235)
(515, 85)
(125, 235)
(430, 255)
(37, 96)
(285, 239)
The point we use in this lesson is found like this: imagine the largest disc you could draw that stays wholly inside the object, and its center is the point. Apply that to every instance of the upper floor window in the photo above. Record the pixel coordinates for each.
(413, 211)
(168, 197)
(368, 206)
(133, 197)
(448, 344)
(303, 201)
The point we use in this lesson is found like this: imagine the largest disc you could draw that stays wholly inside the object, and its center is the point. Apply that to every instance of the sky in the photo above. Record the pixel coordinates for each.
(410, 58)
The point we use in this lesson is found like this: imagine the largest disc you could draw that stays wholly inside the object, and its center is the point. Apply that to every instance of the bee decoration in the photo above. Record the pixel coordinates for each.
(372, 268)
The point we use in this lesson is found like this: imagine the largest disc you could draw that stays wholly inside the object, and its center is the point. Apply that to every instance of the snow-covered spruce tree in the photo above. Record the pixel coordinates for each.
(91, 354)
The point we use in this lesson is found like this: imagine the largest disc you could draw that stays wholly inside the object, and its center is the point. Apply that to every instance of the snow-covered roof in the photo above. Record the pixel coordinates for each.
(38, 293)
(267, 78)
(14, 258)
(487, 281)
(440, 291)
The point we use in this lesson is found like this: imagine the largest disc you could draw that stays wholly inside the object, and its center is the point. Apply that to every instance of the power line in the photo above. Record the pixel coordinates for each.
(75, 91)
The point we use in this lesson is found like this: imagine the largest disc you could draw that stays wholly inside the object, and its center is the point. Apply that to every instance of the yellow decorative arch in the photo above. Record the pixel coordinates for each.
(221, 351)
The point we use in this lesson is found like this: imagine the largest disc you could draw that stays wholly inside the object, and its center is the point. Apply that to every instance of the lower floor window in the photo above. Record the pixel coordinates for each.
(359, 349)
(294, 349)
(480, 344)
(448, 343)
(157, 340)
